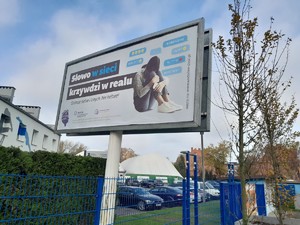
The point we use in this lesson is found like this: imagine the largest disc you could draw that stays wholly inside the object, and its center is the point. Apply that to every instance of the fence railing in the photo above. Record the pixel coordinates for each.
(27, 199)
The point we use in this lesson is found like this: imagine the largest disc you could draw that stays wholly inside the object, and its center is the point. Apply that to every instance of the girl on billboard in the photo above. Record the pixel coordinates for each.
(149, 86)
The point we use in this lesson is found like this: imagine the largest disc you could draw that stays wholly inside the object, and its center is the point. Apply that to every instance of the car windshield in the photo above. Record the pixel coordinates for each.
(206, 185)
(209, 185)
(212, 182)
(141, 191)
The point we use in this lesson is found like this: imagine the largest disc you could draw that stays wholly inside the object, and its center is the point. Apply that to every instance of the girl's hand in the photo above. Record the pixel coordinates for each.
(155, 79)
(159, 87)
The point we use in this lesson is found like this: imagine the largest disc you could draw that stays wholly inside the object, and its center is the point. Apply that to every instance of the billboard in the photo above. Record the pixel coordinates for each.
(150, 84)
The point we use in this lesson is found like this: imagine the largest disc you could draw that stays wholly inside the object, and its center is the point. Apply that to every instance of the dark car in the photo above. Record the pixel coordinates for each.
(192, 195)
(138, 197)
(172, 196)
(150, 183)
(132, 182)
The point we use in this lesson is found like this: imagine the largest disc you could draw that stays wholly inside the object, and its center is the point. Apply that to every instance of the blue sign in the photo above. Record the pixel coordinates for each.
(173, 61)
(175, 41)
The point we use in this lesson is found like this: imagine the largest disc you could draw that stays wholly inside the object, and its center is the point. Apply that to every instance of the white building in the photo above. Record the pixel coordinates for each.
(93, 153)
(150, 166)
(20, 126)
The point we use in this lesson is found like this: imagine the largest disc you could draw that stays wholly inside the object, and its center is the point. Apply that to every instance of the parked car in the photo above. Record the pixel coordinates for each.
(200, 191)
(214, 193)
(150, 183)
(138, 197)
(207, 195)
(172, 196)
(120, 183)
(214, 183)
(192, 195)
(132, 182)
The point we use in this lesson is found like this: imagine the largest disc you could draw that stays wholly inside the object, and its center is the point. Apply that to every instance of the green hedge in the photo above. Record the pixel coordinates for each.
(36, 197)
(15, 161)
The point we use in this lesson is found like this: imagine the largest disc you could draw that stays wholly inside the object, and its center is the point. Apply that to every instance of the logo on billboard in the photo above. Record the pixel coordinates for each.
(65, 117)
(80, 114)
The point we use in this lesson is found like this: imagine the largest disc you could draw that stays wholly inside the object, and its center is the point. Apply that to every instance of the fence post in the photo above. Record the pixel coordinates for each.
(188, 182)
(184, 191)
(98, 200)
(231, 193)
(260, 199)
(195, 190)
(223, 202)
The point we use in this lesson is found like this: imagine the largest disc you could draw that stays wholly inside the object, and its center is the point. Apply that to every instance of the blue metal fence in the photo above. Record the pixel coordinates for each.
(206, 212)
(27, 199)
(230, 201)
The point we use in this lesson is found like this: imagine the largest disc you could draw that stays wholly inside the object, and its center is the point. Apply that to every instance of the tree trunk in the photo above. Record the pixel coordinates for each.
(243, 186)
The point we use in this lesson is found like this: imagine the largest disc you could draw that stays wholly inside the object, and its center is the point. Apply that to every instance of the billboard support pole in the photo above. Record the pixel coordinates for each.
(111, 174)
(203, 167)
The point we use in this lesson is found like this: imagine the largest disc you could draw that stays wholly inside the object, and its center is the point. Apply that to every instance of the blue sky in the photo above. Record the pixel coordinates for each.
(37, 38)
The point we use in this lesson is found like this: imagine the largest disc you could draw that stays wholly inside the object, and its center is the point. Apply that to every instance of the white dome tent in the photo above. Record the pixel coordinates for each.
(151, 166)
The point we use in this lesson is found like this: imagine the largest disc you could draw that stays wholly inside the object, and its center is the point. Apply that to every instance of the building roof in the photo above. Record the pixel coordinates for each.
(28, 114)
(150, 164)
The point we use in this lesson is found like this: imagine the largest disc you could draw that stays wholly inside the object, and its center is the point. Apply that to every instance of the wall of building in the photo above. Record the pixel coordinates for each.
(20, 129)
(169, 180)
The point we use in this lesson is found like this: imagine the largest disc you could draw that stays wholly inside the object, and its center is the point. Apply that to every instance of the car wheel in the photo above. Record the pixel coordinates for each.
(209, 197)
(141, 206)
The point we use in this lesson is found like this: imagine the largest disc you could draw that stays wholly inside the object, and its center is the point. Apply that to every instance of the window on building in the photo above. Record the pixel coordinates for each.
(5, 123)
(21, 132)
(45, 142)
(54, 141)
(34, 139)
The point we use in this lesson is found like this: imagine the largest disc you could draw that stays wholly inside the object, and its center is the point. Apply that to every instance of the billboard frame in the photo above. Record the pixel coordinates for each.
(201, 117)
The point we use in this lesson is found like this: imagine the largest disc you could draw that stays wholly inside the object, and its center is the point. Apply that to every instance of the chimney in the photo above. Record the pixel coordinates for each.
(32, 110)
(7, 93)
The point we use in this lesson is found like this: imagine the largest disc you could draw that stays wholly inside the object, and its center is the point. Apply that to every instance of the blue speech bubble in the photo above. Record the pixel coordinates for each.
(175, 41)
(135, 62)
(136, 52)
(172, 71)
(180, 49)
(172, 61)
(155, 51)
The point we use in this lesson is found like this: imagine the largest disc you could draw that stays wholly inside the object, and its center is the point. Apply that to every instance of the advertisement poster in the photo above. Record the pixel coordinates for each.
(152, 82)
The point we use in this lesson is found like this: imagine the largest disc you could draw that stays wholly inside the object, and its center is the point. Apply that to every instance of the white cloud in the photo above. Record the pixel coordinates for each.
(41, 64)
(9, 12)
(285, 14)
